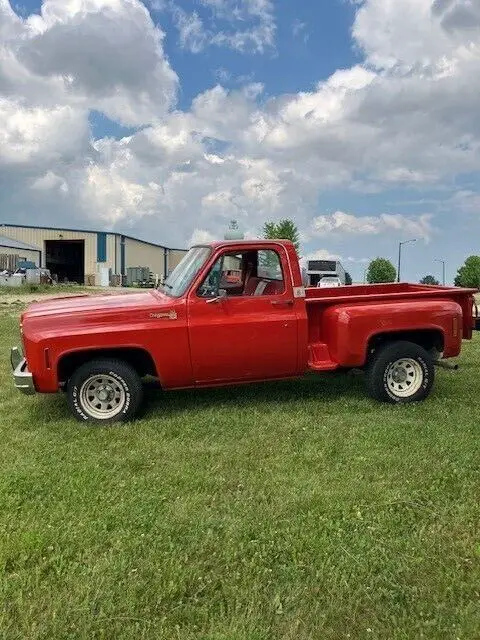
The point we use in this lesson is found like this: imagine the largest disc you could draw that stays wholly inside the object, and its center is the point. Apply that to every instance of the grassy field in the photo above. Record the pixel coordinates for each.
(285, 511)
(28, 289)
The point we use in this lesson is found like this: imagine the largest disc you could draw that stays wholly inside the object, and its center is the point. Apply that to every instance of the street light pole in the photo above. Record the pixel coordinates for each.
(400, 244)
(443, 270)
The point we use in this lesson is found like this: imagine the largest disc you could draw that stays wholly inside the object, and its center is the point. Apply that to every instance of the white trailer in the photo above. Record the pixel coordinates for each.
(318, 269)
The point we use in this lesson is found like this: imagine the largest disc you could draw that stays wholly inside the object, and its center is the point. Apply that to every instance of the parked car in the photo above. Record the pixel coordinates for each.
(329, 281)
(192, 333)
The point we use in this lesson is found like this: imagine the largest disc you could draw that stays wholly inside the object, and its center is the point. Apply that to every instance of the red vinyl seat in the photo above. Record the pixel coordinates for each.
(261, 287)
(251, 286)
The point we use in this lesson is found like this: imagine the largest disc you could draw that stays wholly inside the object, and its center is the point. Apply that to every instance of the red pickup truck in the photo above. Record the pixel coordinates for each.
(202, 328)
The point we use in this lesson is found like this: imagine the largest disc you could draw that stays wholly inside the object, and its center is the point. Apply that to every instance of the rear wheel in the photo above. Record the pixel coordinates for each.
(105, 391)
(400, 372)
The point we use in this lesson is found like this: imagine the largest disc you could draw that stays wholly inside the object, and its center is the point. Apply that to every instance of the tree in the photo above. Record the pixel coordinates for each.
(348, 278)
(381, 270)
(429, 280)
(284, 230)
(469, 274)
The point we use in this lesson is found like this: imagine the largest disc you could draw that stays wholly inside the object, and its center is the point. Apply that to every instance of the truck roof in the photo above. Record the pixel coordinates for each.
(247, 243)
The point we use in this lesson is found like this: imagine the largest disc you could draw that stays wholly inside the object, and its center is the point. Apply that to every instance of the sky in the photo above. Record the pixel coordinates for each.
(166, 119)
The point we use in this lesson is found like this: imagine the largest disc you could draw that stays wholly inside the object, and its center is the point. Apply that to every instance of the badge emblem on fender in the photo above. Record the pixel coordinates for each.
(170, 315)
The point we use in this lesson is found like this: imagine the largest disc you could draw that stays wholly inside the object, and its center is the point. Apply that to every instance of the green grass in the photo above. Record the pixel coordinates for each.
(284, 511)
(28, 289)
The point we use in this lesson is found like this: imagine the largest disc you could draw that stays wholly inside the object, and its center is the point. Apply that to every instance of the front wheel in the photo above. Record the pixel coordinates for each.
(400, 372)
(105, 391)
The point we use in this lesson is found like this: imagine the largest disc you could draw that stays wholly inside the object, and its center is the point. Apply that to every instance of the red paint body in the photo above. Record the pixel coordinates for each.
(242, 339)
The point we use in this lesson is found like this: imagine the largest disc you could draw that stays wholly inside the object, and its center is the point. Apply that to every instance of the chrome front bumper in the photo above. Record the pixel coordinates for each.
(22, 377)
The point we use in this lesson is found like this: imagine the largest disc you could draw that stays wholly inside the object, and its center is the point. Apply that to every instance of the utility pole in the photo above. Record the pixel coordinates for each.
(400, 244)
(443, 264)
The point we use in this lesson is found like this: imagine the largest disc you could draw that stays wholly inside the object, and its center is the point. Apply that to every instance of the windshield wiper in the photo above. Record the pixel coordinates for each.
(165, 284)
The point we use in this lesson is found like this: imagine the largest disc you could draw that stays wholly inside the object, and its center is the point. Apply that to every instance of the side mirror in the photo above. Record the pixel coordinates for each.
(222, 294)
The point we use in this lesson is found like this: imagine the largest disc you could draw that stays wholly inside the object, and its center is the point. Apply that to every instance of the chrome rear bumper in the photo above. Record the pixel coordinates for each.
(22, 377)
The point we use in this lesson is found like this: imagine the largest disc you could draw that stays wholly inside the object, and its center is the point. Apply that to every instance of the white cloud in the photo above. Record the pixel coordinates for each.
(50, 181)
(406, 117)
(353, 260)
(458, 14)
(463, 200)
(247, 26)
(94, 54)
(299, 30)
(407, 176)
(191, 31)
(222, 75)
(201, 236)
(405, 32)
(108, 190)
(346, 223)
(40, 136)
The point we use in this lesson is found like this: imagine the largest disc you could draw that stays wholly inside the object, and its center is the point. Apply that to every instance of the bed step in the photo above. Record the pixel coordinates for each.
(319, 358)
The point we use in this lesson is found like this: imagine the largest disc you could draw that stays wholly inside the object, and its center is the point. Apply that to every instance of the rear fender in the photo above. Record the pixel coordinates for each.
(351, 329)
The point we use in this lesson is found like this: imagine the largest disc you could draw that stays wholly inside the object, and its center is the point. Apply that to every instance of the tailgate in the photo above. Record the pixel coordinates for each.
(468, 305)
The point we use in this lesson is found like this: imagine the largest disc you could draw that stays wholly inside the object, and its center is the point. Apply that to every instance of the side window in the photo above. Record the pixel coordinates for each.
(251, 273)
(266, 278)
(232, 272)
(226, 275)
(210, 287)
(269, 265)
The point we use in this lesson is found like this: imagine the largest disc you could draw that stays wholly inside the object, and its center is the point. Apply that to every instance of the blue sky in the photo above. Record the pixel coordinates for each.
(168, 118)
(313, 40)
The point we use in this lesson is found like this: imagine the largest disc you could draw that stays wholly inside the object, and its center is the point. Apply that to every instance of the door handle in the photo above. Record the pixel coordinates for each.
(280, 303)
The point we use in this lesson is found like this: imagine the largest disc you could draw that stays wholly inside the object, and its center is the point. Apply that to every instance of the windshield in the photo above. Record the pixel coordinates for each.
(330, 279)
(182, 276)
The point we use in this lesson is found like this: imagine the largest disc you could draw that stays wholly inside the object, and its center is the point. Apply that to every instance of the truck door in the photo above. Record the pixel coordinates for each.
(244, 327)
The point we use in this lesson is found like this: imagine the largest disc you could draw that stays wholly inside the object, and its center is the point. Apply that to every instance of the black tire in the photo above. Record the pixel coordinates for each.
(385, 373)
(121, 383)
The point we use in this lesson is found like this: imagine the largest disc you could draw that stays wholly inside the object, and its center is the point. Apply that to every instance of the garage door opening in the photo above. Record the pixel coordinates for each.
(66, 259)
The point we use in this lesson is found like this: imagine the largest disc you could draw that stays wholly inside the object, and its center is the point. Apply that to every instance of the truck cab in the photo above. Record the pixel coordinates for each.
(247, 330)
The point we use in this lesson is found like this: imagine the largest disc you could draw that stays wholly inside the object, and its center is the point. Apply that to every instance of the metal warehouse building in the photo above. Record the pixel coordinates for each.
(20, 251)
(83, 256)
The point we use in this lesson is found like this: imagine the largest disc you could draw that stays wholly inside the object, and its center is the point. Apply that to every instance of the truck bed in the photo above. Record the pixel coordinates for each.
(372, 292)
(322, 302)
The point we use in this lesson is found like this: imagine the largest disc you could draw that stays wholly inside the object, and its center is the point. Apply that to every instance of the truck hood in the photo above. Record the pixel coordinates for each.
(96, 303)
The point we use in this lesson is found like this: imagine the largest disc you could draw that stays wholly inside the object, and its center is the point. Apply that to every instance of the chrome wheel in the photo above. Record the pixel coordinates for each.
(102, 397)
(404, 377)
